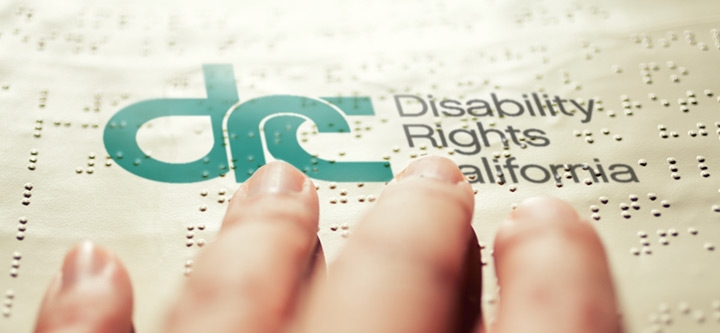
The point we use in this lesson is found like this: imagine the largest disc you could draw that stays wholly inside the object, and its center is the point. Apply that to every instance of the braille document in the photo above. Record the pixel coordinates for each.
(132, 123)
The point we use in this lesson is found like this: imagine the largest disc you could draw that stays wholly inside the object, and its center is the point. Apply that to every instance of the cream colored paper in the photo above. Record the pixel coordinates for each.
(66, 67)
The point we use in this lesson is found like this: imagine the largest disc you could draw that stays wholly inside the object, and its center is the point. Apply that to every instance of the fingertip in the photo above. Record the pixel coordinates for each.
(543, 209)
(91, 293)
(553, 271)
(274, 177)
(274, 184)
(434, 167)
(428, 177)
(87, 261)
(539, 215)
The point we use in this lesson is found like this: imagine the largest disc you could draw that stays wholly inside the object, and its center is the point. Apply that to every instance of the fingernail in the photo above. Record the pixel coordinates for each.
(540, 209)
(276, 177)
(83, 263)
(434, 167)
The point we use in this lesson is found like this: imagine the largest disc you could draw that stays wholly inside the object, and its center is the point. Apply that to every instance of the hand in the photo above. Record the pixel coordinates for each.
(408, 267)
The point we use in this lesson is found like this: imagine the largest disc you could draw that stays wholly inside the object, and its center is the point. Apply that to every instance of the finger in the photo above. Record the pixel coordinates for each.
(401, 270)
(91, 294)
(468, 315)
(248, 280)
(552, 272)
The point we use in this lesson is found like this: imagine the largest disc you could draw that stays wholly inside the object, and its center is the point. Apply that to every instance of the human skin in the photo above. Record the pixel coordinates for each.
(404, 269)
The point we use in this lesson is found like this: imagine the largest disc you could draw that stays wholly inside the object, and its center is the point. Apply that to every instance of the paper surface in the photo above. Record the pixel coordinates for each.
(637, 82)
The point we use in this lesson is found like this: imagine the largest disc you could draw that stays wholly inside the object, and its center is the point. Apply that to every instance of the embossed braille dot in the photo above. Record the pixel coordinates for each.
(665, 319)
(716, 305)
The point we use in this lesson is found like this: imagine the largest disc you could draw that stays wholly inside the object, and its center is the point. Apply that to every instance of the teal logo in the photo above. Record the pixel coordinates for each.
(279, 115)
